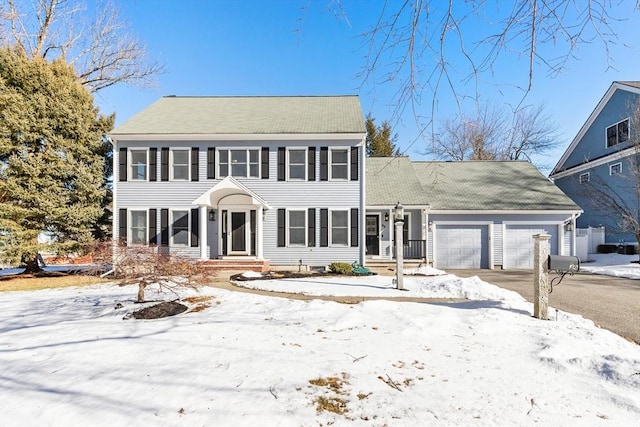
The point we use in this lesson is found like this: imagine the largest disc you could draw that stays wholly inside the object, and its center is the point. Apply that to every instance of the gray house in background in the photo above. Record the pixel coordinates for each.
(279, 179)
(472, 214)
(601, 158)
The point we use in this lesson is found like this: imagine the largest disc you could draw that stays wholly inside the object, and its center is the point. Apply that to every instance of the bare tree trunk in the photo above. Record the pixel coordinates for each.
(32, 266)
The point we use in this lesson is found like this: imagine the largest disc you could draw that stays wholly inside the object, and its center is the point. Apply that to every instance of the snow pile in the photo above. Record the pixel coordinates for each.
(613, 265)
(251, 274)
(424, 270)
(69, 358)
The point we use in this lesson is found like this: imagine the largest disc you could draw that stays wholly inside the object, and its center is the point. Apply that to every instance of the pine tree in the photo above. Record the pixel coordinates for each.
(380, 143)
(52, 158)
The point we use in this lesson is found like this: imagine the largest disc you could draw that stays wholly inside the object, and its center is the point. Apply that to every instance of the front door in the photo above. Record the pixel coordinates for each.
(238, 233)
(373, 234)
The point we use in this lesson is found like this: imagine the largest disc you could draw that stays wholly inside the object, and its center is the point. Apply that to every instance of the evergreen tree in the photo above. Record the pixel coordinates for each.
(380, 143)
(52, 158)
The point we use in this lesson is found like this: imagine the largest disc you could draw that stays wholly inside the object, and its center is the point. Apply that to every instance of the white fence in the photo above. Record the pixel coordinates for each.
(588, 239)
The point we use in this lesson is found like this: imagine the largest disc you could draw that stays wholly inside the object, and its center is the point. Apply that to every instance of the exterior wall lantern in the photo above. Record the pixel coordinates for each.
(386, 216)
(398, 216)
(212, 215)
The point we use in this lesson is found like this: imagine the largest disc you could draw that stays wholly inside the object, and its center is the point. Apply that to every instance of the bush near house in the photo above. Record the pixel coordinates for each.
(341, 268)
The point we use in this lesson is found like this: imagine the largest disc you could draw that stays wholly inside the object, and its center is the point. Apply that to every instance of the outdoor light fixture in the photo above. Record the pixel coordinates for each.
(386, 216)
(568, 226)
(398, 216)
(212, 215)
(398, 212)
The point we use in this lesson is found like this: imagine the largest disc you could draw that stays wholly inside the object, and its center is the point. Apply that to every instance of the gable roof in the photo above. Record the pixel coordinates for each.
(463, 186)
(175, 115)
(630, 86)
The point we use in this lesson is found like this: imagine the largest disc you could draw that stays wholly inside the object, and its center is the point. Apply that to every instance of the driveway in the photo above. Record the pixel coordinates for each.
(612, 303)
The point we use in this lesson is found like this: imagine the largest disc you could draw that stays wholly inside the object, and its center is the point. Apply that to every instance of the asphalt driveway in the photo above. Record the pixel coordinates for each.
(612, 303)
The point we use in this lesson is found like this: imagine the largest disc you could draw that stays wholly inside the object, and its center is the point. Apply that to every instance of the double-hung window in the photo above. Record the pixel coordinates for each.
(339, 164)
(618, 133)
(180, 165)
(179, 228)
(339, 228)
(244, 163)
(138, 165)
(297, 228)
(138, 228)
(297, 164)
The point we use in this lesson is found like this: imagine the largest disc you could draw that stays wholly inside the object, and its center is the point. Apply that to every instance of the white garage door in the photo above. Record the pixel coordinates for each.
(519, 244)
(462, 246)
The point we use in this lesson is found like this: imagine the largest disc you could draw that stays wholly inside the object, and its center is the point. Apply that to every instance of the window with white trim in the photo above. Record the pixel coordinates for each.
(618, 133)
(339, 161)
(243, 163)
(138, 165)
(297, 228)
(339, 227)
(297, 169)
(180, 228)
(585, 177)
(615, 169)
(180, 164)
(138, 228)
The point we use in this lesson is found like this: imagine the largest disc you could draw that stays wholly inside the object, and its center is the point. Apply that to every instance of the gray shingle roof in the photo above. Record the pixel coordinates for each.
(248, 115)
(469, 185)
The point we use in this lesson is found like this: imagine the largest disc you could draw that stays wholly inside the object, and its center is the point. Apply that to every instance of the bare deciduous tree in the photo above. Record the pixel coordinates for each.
(494, 133)
(100, 47)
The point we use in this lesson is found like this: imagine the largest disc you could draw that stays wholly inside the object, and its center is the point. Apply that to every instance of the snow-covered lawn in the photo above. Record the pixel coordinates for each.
(67, 358)
(613, 265)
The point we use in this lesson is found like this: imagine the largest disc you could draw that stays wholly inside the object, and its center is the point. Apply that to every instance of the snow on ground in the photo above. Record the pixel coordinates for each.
(68, 358)
(613, 265)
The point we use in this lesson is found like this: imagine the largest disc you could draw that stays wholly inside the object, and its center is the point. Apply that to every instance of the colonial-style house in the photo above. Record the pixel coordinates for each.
(472, 214)
(266, 178)
(600, 167)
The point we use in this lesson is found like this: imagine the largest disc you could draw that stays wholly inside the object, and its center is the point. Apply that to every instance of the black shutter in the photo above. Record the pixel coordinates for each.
(153, 164)
(195, 164)
(122, 159)
(281, 227)
(354, 163)
(211, 163)
(195, 227)
(153, 226)
(164, 164)
(252, 224)
(311, 227)
(311, 164)
(265, 163)
(324, 228)
(122, 227)
(354, 228)
(164, 227)
(324, 163)
(281, 163)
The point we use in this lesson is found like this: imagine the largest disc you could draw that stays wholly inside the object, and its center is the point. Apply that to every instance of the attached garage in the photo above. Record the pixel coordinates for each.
(461, 246)
(518, 243)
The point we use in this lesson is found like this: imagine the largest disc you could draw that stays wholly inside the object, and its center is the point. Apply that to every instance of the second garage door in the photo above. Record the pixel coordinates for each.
(519, 244)
(460, 246)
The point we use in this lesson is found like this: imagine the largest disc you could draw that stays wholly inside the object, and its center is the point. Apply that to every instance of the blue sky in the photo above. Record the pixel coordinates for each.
(302, 47)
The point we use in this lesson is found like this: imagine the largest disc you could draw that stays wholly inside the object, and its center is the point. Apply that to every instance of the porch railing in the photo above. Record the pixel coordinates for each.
(413, 249)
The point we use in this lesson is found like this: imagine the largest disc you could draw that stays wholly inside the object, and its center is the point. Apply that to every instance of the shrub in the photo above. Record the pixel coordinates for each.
(340, 268)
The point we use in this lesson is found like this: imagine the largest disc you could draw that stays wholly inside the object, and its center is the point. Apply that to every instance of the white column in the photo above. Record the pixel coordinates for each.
(392, 233)
(259, 226)
(204, 222)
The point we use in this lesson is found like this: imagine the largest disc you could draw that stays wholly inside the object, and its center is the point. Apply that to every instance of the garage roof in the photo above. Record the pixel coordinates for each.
(467, 185)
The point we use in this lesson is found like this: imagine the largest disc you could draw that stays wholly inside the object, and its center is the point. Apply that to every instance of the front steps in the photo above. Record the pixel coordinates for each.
(239, 265)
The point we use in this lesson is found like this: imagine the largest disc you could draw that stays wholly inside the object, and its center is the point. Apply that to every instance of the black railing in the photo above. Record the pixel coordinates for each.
(413, 249)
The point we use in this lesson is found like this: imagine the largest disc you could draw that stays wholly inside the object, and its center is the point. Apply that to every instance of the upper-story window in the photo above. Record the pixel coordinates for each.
(138, 164)
(585, 177)
(615, 169)
(180, 164)
(618, 133)
(339, 164)
(297, 164)
(243, 163)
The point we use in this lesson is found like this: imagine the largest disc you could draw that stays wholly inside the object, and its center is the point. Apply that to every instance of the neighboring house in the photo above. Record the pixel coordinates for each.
(602, 157)
(471, 214)
(266, 178)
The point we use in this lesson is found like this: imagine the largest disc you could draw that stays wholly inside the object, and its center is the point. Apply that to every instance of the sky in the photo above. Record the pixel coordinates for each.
(317, 47)
(75, 357)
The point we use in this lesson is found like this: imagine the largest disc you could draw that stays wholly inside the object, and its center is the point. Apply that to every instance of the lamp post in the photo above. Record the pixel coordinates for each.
(398, 216)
